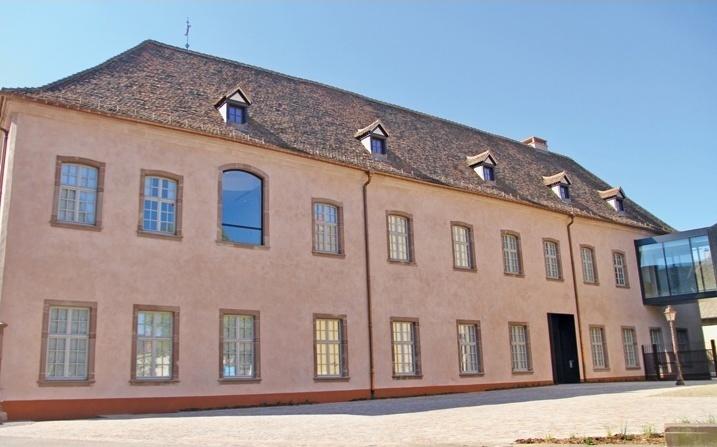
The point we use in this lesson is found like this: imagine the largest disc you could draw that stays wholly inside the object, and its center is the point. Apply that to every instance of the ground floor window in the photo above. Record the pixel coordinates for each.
(469, 349)
(599, 348)
(404, 338)
(156, 343)
(520, 348)
(629, 342)
(330, 347)
(239, 345)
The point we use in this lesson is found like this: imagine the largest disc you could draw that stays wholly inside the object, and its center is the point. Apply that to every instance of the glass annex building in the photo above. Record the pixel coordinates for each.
(678, 267)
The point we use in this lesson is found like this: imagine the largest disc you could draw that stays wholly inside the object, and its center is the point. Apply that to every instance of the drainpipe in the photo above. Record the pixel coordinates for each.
(3, 148)
(575, 292)
(372, 374)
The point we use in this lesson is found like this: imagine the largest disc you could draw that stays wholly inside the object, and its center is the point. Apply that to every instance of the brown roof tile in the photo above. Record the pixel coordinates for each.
(321, 121)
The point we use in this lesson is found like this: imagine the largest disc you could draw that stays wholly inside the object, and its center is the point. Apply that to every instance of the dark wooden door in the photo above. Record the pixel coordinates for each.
(564, 348)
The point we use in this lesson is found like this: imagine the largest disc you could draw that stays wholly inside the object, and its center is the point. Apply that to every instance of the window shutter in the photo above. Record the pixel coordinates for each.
(344, 350)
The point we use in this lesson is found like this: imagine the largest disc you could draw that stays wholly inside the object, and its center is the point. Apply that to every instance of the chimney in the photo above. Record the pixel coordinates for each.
(536, 142)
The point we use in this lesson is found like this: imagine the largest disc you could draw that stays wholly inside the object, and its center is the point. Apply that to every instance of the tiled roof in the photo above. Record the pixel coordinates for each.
(168, 85)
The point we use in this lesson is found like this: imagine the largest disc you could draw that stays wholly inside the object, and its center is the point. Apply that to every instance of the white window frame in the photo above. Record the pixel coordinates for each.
(237, 357)
(68, 337)
(327, 228)
(512, 264)
(587, 256)
(329, 345)
(164, 185)
(404, 348)
(399, 238)
(462, 246)
(620, 269)
(70, 213)
(155, 341)
(520, 348)
(598, 347)
(469, 348)
(552, 259)
(629, 343)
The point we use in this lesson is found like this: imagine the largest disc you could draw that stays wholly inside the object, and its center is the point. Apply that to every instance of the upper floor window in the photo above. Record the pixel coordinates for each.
(552, 259)
(614, 197)
(399, 238)
(78, 189)
(619, 204)
(378, 146)
(618, 262)
(511, 254)
(462, 247)
(240, 343)
(327, 228)
(236, 114)
(560, 184)
(242, 217)
(330, 347)
(587, 255)
(159, 204)
(564, 192)
(489, 173)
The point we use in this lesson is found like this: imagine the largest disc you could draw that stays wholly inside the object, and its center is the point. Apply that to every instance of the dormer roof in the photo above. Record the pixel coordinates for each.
(612, 192)
(483, 157)
(374, 128)
(235, 94)
(560, 177)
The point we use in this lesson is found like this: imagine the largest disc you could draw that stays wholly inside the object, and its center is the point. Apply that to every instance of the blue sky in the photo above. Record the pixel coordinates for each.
(626, 88)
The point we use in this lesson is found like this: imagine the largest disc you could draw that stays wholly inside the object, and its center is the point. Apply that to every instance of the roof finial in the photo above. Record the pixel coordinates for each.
(186, 34)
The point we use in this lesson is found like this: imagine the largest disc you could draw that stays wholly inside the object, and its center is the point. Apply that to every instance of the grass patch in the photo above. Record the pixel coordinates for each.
(648, 437)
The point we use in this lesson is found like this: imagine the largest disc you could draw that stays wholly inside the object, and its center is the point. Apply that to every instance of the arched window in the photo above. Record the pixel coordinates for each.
(242, 207)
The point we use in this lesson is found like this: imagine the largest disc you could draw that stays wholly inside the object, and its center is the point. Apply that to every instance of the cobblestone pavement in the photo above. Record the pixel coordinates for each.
(494, 418)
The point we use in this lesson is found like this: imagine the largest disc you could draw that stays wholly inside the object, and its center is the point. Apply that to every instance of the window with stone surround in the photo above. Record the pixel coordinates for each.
(551, 251)
(79, 185)
(239, 344)
(629, 343)
(587, 256)
(405, 348)
(469, 348)
(520, 348)
(160, 204)
(512, 262)
(330, 347)
(400, 238)
(155, 356)
(598, 347)
(463, 254)
(328, 227)
(620, 269)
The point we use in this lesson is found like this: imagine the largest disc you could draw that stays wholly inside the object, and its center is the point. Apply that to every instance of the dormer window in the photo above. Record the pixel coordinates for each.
(615, 197)
(373, 138)
(564, 192)
(559, 184)
(234, 107)
(483, 164)
(378, 145)
(236, 114)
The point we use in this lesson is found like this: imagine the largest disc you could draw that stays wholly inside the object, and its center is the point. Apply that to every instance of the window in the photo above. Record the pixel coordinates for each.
(78, 192)
(599, 348)
(68, 342)
(656, 339)
(488, 173)
(239, 344)
(520, 348)
(469, 348)
(552, 259)
(236, 114)
(683, 340)
(156, 344)
(629, 343)
(564, 192)
(462, 247)
(242, 207)
(619, 204)
(587, 254)
(378, 146)
(511, 254)
(327, 228)
(330, 359)
(400, 247)
(618, 262)
(406, 357)
(160, 203)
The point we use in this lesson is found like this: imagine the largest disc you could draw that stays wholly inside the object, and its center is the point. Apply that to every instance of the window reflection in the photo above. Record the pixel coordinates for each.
(242, 208)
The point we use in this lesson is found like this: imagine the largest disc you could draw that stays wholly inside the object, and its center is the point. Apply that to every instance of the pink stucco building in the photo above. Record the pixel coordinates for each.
(183, 231)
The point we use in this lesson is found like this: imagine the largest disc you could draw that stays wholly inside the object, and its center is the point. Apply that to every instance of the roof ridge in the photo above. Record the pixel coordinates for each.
(342, 90)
